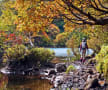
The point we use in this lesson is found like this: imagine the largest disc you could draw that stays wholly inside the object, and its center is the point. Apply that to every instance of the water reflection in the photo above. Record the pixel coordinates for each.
(23, 83)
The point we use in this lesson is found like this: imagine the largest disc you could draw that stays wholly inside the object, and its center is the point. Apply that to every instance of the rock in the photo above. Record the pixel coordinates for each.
(75, 80)
(75, 85)
(101, 83)
(48, 72)
(101, 80)
(52, 72)
(64, 85)
(58, 80)
(83, 81)
(94, 83)
(81, 87)
(70, 84)
(77, 66)
(80, 79)
(61, 67)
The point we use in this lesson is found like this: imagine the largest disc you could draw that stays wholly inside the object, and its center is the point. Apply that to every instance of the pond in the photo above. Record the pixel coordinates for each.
(62, 52)
(23, 83)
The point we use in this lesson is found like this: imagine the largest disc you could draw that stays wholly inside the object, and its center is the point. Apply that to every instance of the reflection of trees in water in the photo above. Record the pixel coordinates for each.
(3, 82)
(23, 83)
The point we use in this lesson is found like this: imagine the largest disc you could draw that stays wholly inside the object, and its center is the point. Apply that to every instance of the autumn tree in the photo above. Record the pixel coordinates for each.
(97, 36)
(61, 39)
(34, 17)
(52, 31)
(92, 12)
(7, 26)
(8, 16)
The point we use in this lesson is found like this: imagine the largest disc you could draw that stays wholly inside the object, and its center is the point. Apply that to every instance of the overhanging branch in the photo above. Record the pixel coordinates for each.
(80, 11)
(82, 17)
(102, 5)
(97, 8)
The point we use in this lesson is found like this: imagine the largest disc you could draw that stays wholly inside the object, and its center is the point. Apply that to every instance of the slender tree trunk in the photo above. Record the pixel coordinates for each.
(30, 41)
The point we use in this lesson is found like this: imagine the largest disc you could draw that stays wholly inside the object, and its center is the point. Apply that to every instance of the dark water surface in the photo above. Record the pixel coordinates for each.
(23, 83)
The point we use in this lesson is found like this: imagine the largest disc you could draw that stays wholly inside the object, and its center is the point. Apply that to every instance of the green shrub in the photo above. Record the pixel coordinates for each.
(41, 54)
(32, 56)
(70, 68)
(75, 58)
(16, 52)
(102, 60)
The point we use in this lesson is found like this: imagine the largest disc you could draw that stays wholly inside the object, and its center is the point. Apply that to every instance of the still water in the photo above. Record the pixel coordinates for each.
(23, 83)
(62, 52)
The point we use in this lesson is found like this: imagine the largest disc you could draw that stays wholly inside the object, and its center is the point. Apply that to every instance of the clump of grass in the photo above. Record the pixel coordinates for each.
(70, 68)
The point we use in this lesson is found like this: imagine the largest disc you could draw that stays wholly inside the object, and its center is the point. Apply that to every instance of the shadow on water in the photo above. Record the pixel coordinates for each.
(23, 83)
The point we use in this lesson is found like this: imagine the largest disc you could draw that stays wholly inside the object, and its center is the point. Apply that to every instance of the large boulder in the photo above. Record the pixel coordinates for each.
(61, 67)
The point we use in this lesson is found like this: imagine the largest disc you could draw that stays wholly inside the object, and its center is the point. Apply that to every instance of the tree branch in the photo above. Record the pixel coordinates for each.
(97, 8)
(83, 21)
(95, 3)
(102, 5)
(80, 16)
(102, 21)
(80, 11)
(72, 21)
(76, 15)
